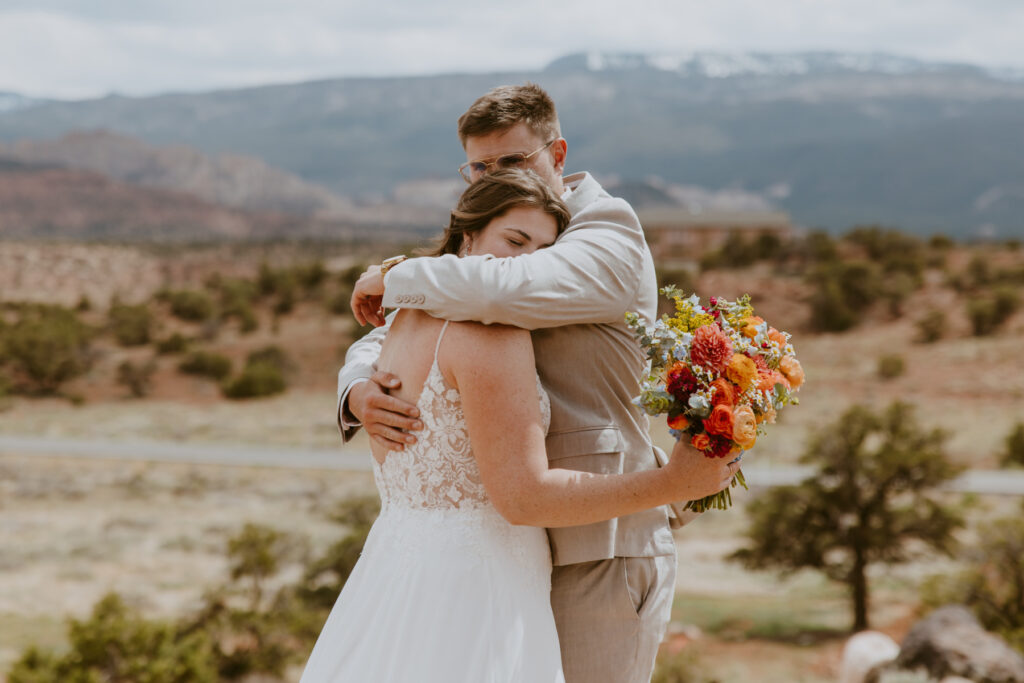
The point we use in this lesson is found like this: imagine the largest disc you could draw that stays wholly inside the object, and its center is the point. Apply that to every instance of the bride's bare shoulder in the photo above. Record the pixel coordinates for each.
(472, 345)
(469, 333)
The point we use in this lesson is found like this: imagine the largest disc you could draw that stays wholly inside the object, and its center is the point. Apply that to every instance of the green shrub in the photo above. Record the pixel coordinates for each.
(931, 326)
(189, 304)
(326, 575)
(818, 247)
(237, 298)
(137, 378)
(245, 630)
(979, 271)
(894, 251)
(348, 277)
(842, 291)
(206, 364)
(311, 275)
(679, 668)
(992, 585)
(116, 644)
(256, 380)
(45, 347)
(131, 325)
(890, 366)
(272, 355)
(987, 313)
(1013, 448)
(176, 343)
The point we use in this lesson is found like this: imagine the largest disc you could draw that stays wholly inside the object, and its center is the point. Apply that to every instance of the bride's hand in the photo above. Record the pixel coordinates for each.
(694, 475)
(367, 297)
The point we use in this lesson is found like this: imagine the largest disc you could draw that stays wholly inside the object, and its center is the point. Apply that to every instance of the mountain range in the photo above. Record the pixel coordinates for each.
(835, 139)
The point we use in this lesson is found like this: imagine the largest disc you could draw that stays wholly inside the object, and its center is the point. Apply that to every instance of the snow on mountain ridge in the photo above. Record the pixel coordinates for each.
(720, 64)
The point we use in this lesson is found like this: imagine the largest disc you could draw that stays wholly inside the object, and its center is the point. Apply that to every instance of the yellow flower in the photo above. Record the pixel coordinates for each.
(741, 370)
(744, 426)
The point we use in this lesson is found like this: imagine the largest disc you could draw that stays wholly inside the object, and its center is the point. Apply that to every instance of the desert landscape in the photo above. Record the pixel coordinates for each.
(76, 527)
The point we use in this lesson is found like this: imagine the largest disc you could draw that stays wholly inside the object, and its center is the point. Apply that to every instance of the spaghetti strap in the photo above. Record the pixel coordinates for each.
(439, 337)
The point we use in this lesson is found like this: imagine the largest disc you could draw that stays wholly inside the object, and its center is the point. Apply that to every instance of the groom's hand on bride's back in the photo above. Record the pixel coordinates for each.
(385, 418)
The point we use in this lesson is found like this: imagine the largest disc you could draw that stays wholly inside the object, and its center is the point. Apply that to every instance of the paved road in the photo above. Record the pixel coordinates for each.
(996, 482)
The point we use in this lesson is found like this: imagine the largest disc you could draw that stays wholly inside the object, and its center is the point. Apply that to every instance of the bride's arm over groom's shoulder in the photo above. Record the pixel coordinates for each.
(493, 368)
(590, 275)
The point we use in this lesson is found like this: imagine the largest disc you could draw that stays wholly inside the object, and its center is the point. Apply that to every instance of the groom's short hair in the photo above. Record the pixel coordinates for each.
(507, 105)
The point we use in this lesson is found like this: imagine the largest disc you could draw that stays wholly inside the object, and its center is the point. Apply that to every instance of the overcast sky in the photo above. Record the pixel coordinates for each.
(87, 48)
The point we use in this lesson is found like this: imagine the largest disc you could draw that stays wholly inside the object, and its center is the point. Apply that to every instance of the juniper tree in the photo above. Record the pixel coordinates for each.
(875, 491)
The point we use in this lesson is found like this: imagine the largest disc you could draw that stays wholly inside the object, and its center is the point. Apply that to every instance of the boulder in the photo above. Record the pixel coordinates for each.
(951, 642)
(863, 652)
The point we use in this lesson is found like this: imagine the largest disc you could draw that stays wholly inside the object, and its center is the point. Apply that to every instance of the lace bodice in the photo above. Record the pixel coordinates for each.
(439, 471)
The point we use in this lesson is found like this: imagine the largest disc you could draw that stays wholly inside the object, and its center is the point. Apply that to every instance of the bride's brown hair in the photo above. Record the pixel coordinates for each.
(493, 195)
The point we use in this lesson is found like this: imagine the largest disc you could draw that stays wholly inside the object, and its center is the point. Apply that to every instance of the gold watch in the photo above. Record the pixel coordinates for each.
(389, 263)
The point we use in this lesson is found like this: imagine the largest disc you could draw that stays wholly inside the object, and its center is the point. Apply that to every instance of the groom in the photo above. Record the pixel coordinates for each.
(613, 582)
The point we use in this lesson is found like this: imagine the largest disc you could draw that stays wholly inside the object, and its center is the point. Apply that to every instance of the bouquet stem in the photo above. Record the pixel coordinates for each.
(718, 501)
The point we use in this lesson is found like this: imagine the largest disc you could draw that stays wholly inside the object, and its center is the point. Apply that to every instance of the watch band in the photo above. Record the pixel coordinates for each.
(389, 263)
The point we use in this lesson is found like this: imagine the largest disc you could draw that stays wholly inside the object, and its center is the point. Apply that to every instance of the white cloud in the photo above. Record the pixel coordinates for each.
(66, 48)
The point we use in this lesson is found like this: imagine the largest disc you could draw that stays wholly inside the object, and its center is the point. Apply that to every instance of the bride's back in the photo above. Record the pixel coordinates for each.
(408, 352)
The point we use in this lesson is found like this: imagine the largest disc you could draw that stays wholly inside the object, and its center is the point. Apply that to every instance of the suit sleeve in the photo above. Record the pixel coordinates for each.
(590, 275)
(360, 364)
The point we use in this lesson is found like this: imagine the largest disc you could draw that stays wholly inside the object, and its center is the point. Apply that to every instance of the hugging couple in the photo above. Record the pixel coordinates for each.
(524, 534)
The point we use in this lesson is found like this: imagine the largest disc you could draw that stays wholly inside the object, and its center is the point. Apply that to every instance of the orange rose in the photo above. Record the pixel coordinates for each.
(750, 326)
(744, 427)
(719, 422)
(678, 422)
(700, 441)
(723, 392)
(793, 371)
(767, 380)
(742, 370)
(777, 337)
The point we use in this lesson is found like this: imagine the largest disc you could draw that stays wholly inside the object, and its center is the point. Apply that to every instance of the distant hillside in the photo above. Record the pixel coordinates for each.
(834, 139)
(231, 180)
(39, 201)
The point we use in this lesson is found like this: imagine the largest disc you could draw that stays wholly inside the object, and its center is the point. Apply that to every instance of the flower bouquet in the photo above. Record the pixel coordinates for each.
(720, 373)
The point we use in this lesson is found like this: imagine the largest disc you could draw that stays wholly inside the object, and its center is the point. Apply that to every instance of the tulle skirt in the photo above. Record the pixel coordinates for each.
(443, 596)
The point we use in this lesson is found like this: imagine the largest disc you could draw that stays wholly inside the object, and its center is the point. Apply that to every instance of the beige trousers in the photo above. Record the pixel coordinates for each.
(611, 616)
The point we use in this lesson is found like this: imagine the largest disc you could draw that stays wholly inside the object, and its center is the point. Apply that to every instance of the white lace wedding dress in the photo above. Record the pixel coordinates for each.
(446, 591)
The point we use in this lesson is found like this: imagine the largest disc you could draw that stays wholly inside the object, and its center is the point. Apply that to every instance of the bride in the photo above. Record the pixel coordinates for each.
(453, 583)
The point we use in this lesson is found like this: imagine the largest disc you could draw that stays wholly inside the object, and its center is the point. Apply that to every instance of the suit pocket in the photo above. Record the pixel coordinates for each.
(593, 449)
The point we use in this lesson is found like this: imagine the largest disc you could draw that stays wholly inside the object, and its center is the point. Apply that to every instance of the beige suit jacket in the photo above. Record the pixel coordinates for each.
(573, 296)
